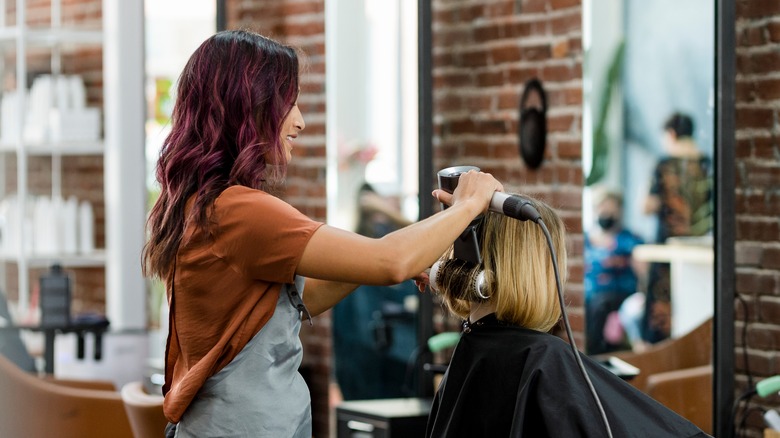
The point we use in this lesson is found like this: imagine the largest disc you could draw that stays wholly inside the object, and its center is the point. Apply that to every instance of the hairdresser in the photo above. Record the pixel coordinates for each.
(234, 256)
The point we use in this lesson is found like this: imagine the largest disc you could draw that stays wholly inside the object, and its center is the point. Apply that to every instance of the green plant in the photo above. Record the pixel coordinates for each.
(600, 139)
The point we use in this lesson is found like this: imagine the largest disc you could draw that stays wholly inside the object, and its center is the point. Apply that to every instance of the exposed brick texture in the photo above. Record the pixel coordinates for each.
(483, 53)
(301, 23)
(757, 195)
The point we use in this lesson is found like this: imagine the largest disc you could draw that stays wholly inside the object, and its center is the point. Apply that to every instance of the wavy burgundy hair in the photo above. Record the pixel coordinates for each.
(232, 98)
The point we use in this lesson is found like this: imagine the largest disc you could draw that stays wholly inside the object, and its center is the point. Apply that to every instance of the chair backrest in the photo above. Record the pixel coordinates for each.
(693, 349)
(32, 407)
(145, 411)
(687, 392)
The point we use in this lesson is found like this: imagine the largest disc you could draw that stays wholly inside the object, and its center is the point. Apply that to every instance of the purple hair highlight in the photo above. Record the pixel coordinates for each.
(232, 98)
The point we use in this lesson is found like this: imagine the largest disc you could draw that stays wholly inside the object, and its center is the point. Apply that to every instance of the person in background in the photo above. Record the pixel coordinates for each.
(610, 271)
(681, 199)
(235, 258)
(508, 376)
(374, 331)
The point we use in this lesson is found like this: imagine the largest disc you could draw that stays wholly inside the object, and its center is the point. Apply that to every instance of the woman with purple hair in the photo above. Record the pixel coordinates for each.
(234, 256)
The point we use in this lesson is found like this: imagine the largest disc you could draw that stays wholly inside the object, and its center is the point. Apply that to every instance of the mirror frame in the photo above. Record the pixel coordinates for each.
(425, 176)
(725, 278)
(725, 218)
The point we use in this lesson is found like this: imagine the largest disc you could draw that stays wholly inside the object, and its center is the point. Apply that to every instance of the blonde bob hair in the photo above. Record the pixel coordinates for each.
(519, 274)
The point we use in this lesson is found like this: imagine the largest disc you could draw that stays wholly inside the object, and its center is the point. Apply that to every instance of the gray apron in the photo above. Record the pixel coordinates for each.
(260, 393)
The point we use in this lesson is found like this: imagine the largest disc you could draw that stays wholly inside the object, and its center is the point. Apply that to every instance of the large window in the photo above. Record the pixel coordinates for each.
(174, 29)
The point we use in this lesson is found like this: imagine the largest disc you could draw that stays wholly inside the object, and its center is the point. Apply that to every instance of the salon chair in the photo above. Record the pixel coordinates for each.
(144, 410)
(32, 407)
(678, 374)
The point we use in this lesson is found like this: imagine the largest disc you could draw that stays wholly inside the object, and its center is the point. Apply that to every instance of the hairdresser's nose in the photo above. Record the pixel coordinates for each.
(298, 121)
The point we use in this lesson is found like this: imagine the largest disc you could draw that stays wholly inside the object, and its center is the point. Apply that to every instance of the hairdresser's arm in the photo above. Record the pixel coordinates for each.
(321, 295)
(652, 204)
(367, 262)
(337, 255)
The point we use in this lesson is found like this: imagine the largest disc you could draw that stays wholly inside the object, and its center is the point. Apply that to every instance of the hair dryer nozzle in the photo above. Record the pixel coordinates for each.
(448, 178)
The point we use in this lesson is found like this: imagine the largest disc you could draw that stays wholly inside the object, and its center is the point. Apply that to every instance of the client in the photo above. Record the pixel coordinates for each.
(508, 377)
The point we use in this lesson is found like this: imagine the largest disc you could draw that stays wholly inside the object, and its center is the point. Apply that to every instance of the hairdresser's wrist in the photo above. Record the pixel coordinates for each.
(473, 206)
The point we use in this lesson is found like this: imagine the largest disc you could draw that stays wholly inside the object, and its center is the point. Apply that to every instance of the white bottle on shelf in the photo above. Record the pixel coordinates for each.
(26, 227)
(12, 229)
(63, 97)
(5, 226)
(86, 228)
(78, 93)
(44, 225)
(42, 97)
(69, 221)
(9, 119)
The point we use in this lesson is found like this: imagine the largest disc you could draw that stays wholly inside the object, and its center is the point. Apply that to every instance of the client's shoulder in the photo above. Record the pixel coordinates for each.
(512, 338)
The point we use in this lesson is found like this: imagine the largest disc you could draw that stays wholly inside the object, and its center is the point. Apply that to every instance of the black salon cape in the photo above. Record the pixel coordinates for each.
(506, 381)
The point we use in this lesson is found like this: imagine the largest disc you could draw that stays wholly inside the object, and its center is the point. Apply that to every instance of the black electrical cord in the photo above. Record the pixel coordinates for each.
(746, 414)
(584, 372)
(746, 396)
(738, 426)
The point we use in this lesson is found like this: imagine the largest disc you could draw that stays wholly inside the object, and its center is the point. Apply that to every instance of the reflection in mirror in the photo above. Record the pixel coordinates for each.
(649, 105)
(372, 186)
(648, 130)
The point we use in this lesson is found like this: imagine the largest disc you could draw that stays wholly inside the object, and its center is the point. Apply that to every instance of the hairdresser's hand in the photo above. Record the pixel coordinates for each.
(473, 186)
(422, 280)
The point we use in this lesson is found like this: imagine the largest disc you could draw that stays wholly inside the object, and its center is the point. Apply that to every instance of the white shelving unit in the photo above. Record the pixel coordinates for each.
(50, 37)
(69, 148)
(96, 259)
(19, 38)
(120, 35)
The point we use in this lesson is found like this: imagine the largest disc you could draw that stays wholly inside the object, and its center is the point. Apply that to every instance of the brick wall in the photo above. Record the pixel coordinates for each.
(757, 198)
(484, 52)
(301, 23)
(82, 176)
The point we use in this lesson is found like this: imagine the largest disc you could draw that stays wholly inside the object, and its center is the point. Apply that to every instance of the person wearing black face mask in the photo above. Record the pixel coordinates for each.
(607, 222)
(610, 274)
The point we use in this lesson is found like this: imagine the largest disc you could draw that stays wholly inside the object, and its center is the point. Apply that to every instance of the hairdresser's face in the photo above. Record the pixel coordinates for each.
(291, 126)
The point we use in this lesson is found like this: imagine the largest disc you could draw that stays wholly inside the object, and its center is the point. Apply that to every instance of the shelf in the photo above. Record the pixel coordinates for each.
(64, 148)
(47, 37)
(672, 253)
(96, 259)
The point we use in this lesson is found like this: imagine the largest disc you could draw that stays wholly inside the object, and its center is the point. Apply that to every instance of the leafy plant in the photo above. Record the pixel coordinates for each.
(600, 139)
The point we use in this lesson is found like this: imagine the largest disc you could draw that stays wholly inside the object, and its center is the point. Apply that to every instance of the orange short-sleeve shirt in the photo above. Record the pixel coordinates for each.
(226, 286)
